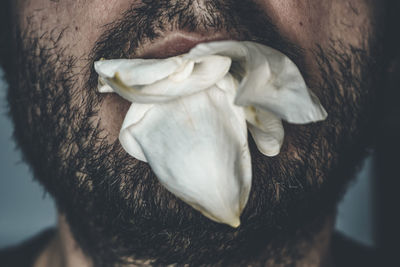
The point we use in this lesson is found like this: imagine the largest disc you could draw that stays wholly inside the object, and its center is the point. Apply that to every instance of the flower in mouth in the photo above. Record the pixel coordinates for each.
(190, 114)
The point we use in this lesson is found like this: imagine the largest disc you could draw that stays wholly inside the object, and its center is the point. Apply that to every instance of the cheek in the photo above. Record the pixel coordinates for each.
(301, 22)
(73, 27)
(75, 24)
(304, 23)
(111, 115)
(312, 23)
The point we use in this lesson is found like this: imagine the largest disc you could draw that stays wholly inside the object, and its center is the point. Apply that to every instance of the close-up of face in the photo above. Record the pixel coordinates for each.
(117, 210)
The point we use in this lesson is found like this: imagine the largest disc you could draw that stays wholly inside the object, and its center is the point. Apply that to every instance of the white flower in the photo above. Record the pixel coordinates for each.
(190, 113)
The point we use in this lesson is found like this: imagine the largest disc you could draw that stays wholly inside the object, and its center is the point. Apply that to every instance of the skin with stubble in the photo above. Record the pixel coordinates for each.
(111, 204)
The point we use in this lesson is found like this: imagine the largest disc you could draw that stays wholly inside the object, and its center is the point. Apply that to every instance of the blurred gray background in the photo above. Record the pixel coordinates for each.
(25, 209)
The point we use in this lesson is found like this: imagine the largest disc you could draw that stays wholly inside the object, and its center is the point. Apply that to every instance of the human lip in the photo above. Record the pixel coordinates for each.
(177, 43)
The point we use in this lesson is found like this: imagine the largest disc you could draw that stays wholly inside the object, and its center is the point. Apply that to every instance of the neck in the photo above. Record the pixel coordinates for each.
(63, 251)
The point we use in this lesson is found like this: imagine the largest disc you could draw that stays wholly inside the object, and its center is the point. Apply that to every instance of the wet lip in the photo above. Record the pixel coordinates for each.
(177, 43)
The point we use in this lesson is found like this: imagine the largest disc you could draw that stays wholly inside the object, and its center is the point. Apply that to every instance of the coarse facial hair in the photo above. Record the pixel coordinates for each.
(114, 204)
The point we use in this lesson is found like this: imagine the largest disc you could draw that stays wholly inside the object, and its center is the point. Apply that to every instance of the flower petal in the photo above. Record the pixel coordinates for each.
(266, 129)
(138, 71)
(283, 92)
(269, 80)
(134, 116)
(103, 87)
(205, 72)
(198, 150)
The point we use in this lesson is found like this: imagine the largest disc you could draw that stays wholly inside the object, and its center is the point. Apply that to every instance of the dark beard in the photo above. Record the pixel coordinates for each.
(114, 204)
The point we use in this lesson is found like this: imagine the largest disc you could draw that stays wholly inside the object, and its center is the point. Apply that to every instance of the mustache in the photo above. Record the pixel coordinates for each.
(148, 20)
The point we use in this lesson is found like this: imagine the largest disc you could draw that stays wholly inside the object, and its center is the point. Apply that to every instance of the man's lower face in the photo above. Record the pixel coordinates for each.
(113, 203)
